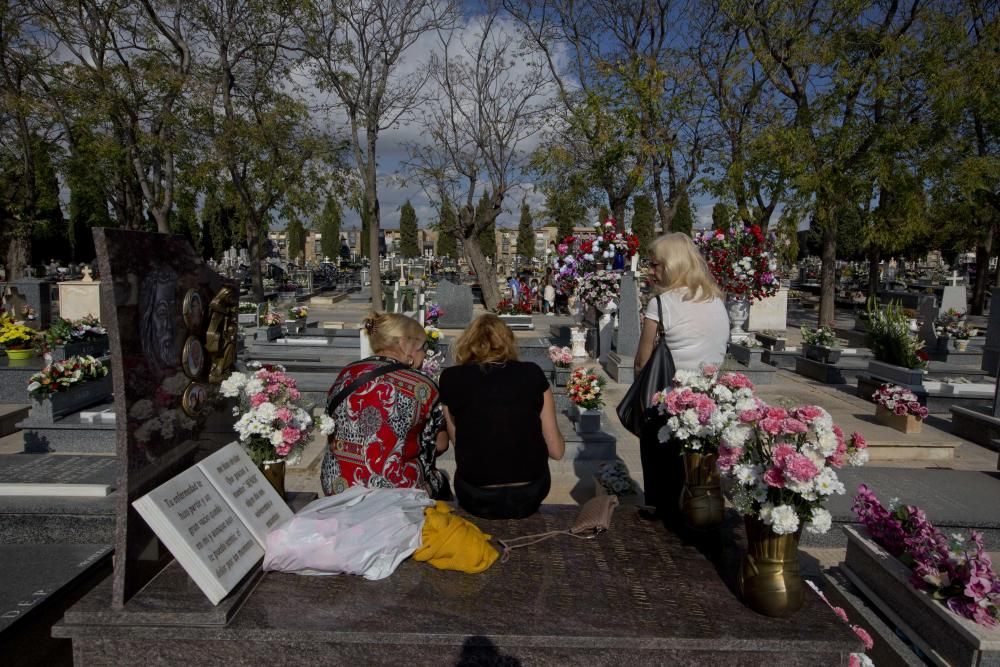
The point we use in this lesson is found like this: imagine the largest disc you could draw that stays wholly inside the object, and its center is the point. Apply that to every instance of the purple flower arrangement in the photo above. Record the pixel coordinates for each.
(957, 571)
(899, 401)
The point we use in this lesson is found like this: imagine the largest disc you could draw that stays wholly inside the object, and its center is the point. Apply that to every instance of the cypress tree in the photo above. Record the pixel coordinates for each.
(683, 220)
(526, 233)
(408, 244)
(643, 224)
(446, 245)
(330, 229)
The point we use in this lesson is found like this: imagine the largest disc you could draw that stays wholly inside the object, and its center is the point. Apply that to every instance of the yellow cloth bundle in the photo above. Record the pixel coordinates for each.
(449, 542)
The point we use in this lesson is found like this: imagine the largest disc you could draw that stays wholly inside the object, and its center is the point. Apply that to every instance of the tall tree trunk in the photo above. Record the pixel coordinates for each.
(371, 203)
(874, 260)
(18, 253)
(484, 270)
(828, 272)
(983, 252)
(666, 216)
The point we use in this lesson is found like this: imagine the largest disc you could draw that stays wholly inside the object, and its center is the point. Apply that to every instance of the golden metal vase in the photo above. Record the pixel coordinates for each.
(274, 471)
(769, 580)
(701, 502)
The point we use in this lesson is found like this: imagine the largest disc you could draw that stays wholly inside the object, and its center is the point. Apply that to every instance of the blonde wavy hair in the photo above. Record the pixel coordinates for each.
(685, 268)
(386, 329)
(487, 340)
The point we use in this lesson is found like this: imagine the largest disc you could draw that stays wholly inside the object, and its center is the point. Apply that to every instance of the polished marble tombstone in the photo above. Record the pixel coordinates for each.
(172, 326)
(636, 595)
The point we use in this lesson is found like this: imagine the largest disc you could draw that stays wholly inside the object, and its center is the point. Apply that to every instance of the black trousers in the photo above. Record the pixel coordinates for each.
(502, 502)
(662, 472)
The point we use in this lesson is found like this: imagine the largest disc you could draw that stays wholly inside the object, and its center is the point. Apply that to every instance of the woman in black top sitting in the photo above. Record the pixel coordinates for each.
(502, 418)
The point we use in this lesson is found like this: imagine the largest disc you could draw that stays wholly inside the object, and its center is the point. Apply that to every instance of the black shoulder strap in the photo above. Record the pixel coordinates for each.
(364, 379)
(659, 311)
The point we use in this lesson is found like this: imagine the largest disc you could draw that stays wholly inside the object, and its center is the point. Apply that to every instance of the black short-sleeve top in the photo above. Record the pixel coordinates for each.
(497, 412)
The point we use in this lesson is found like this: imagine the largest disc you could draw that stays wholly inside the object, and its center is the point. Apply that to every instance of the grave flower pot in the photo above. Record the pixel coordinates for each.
(297, 325)
(560, 376)
(745, 354)
(587, 421)
(701, 501)
(896, 374)
(273, 332)
(961, 344)
(941, 634)
(248, 319)
(775, 343)
(20, 355)
(903, 423)
(768, 580)
(97, 347)
(76, 398)
(822, 353)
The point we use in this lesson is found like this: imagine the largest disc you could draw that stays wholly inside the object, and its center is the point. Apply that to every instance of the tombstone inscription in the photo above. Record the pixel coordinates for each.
(165, 420)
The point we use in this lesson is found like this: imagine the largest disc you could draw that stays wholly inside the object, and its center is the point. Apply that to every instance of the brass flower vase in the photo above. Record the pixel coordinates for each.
(274, 471)
(768, 579)
(701, 502)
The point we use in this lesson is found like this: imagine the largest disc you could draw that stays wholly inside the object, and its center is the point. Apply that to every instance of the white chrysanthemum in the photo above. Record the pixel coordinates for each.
(827, 482)
(820, 521)
(784, 520)
(746, 473)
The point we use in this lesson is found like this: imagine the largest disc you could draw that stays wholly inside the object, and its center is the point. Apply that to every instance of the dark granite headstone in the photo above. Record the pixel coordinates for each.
(160, 300)
(635, 595)
(67, 469)
(456, 302)
(35, 293)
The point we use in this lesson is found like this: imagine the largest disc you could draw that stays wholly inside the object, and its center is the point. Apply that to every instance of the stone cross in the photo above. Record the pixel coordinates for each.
(86, 275)
(29, 272)
(954, 278)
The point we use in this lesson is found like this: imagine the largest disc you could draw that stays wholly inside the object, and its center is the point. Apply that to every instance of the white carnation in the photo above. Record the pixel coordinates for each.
(277, 438)
(766, 513)
(231, 385)
(858, 457)
(784, 520)
(746, 473)
(326, 425)
(820, 521)
(254, 386)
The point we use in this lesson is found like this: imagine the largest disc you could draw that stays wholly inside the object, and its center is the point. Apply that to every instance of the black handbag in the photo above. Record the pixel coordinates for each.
(635, 410)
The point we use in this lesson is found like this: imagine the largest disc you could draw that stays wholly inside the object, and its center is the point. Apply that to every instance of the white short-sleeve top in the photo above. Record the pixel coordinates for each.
(696, 331)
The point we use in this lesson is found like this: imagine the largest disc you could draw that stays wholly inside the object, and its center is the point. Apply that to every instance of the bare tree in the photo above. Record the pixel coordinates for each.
(355, 48)
(493, 100)
(136, 60)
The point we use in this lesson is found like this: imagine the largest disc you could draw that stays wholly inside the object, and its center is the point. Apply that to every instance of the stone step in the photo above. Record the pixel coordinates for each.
(10, 415)
(14, 376)
(70, 434)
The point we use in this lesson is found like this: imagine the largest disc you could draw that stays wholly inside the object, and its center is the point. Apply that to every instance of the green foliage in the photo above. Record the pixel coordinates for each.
(408, 244)
(643, 222)
(447, 246)
(329, 228)
(722, 217)
(603, 214)
(890, 338)
(526, 233)
(684, 219)
(296, 239)
(824, 336)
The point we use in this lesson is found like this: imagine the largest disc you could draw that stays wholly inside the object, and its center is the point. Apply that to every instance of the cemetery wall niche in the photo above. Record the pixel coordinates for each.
(172, 325)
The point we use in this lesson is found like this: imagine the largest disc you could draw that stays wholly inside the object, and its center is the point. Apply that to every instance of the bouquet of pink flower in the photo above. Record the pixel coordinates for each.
(270, 319)
(561, 357)
(782, 464)
(702, 407)
(899, 401)
(584, 388)
(271, 425)
(957, 571)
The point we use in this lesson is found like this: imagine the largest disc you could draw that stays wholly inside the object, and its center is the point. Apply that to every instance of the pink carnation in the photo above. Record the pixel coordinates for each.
(771, 425)
(800, 468)
(284, 414)
(782, 452)
(290, 435)
(283, 449)
(735, 381)
(728, 456)
(864, 637)
(774, 477)
(858, 441)
(708, 370)
(808, 413)
(751, 416)
(776, 412)
(792, 426)
(258, 399)
(705, 407)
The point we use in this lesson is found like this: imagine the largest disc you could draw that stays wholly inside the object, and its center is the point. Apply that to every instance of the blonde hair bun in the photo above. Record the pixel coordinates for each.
(386, 329)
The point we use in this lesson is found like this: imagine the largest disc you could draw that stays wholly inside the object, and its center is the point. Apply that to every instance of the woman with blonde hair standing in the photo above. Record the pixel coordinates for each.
(689, 309)
(501, 415)
(389, 423)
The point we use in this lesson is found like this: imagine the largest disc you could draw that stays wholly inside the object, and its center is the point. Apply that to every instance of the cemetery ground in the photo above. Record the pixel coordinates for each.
(953, 479)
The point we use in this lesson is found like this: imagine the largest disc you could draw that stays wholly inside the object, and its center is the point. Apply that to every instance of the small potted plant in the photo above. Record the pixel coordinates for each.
(899, 357)
(946, 326)
(516, 315)
(67, 386)
(66, 338)
(17, 339)
(561, 358)
(272, 321)
(295, 320)
(820, 345)
(585, 389)
(961, 334)
(899, 408)
(248, 313)
(433, 337)
(771, 340)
